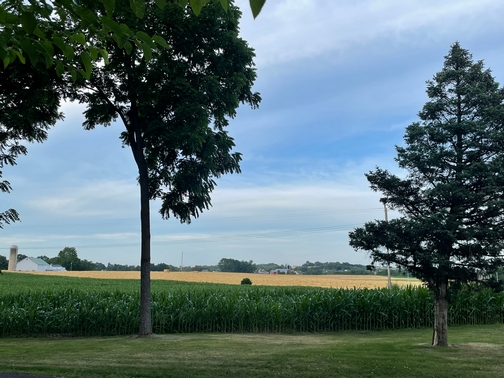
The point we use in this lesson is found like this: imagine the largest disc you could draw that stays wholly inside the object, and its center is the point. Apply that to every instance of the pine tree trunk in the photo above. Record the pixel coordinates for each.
(440, 332)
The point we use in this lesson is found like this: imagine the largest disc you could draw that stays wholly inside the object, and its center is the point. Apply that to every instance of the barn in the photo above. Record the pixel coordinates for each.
(32, 264)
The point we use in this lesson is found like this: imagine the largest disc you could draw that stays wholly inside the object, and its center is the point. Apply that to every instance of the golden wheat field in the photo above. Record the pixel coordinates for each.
(334, 281)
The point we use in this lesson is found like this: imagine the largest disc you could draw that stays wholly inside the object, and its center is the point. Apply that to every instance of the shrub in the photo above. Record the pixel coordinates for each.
(246, 281)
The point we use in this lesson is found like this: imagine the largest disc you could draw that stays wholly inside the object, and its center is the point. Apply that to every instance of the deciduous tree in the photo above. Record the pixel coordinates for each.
(451, 200)
(175, 105)
(232, 265)
(20, 257)
(36, 45)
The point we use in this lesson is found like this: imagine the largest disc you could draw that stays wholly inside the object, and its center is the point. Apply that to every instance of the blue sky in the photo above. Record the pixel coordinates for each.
(340, 80)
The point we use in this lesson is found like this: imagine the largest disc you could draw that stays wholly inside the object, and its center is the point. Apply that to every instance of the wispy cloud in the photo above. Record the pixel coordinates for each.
(295, 29)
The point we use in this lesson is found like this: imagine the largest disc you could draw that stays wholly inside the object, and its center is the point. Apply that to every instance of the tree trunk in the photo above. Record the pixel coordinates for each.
(135, 139)
(145, 295)
(440, 332)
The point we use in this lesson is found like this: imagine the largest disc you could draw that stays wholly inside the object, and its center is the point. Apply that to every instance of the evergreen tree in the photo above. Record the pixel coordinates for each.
(452, 200)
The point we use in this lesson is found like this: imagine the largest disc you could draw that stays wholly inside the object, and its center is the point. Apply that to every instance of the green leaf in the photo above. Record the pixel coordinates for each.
(112, 25)
(93, 51)
(48, 48)
(30, 50)
(104, 54)
(118, 40)
(49, 60)
(6, 61)
(60, 43)
(28, 22)
(66, 49)
(147, 51)
(80, 38)
(128, 47)
(20, 56)
(39, 33)
(73, 72)
(138, 7)
(125, 31)
(60, 69)
(145, 38)
(86, 14)
(10, 18)
(86, 62)
(85, 74)
(160, 3)
(160, 41)
(182, 3)
(48, 52)
(69, 52)
(197, 5)
(109, 7)
(225, 5)
(256, 6)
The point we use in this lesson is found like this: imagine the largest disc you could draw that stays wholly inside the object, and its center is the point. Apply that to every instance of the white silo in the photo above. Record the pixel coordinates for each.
(13, 257)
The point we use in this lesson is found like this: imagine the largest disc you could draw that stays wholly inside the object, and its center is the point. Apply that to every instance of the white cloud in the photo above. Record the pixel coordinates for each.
(294, 29)
(100, 199)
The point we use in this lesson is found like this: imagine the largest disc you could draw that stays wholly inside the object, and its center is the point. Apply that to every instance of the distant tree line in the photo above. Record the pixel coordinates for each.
(69, 259)
(318, 267)
(153, 267)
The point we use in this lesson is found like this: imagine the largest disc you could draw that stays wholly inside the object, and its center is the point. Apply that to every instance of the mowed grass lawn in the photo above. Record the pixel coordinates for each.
(475, 351)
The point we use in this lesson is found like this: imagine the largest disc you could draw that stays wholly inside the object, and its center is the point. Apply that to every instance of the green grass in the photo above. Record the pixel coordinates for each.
(476, 351)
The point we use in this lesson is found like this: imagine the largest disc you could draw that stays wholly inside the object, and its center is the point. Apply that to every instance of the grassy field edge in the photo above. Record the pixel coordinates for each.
(476, 351)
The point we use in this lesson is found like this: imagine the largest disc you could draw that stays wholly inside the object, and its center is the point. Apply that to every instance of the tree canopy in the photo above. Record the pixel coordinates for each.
(232, 265)
(452, 199)
(35, 30)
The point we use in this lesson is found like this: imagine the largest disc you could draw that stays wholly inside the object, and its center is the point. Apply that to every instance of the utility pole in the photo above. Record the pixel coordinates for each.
(389, 278)
(182, 262)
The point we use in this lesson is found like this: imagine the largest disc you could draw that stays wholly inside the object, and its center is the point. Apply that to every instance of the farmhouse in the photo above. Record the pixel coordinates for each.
(32, 264)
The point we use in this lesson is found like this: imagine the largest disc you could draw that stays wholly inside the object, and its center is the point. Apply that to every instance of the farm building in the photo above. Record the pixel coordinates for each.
(31, 264)
(55, 268)
(281, 271)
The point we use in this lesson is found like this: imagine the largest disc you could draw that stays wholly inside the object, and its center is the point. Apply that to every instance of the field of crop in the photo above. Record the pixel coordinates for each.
(36, 304)
(328, 281)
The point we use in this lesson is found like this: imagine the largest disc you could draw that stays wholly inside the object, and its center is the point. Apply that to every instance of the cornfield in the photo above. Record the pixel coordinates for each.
(221, 308)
